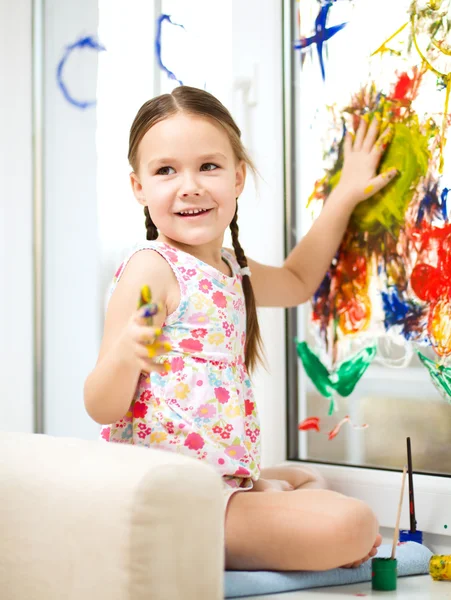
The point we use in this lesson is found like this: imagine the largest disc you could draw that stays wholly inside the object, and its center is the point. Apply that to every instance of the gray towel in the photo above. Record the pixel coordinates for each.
(413, 559)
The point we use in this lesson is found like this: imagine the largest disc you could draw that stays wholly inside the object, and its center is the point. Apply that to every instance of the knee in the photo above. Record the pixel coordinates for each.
(357, 528)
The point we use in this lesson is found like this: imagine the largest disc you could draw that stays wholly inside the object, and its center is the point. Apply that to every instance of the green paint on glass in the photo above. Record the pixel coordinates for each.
(343, 380)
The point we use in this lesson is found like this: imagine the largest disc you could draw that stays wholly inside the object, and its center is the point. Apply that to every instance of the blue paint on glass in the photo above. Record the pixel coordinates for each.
(83, 43)
(321, 35)
(161, 19)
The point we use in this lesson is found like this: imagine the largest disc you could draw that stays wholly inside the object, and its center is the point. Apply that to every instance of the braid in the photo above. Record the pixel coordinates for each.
(254, 345)
(152, 231)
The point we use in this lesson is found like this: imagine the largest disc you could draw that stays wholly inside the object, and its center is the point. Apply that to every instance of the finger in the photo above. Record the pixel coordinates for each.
(148, 335)
(158, 348)
(148, 366)
(347, 146)
(372, 133)
(360, 135)
(379, 182)
(152, 350)
(382, 142)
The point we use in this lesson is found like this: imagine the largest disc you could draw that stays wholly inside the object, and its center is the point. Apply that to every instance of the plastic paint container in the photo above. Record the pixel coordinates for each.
(411, 536)
(440, 567)
(384, 574)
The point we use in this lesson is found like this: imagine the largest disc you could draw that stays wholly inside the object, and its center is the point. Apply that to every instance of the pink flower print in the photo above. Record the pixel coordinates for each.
(249, 432)
(217, 429)
(172, 257)
(253, 438)
(225, 435)
(248, 407)
(199, 318)
(205, 286)
(199, 333)
(106, 433)
(139, 410)
(194, 441)
(222, 395)
(257, 431)
(142, 434)
(242, 472)
(229, 427)
(219, 299)
(190, 344)
(142, 426)
(227, 329)
(191, 272)
(206, 411)
(170, 427)
(177, 364)
(145, 396)
(235, 452)
(221, 461)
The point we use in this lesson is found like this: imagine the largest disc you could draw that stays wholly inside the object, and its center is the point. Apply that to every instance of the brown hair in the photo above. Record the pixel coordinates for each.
(198, 102)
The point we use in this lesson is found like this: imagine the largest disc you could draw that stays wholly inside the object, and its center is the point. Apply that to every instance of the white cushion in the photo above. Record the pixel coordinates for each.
(93, 521)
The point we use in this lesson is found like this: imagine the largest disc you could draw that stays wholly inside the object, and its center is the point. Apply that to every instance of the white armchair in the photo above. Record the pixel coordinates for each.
(93, 521)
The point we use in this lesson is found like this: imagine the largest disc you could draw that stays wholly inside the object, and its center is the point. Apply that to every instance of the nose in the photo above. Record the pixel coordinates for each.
(189, 186)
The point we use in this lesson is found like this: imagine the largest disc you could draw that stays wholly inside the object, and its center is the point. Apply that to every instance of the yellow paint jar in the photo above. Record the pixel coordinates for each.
(440, 567)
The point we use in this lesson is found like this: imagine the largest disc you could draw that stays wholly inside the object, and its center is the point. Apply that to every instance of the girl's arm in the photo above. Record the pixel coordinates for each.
(307, 264)
(110, 387)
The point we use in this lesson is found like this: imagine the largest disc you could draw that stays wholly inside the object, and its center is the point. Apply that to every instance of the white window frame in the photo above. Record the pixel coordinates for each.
(379, 488)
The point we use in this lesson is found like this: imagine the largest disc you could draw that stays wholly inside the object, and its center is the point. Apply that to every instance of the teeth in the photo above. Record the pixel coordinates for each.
(193, 212)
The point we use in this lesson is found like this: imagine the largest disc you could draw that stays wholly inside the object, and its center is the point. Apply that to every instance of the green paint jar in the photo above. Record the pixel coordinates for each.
(384, 574)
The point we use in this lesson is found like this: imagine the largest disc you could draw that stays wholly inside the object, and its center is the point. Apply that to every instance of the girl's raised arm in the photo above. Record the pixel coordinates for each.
(307, 264)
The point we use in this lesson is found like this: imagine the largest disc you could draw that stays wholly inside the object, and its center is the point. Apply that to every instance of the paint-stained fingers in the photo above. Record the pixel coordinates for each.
(347, 146)
(148, 335)
(147, 356)
(372, 133)
(158, 348)
(379, 182)
(360, 135)
(148, 366)
(382, 142)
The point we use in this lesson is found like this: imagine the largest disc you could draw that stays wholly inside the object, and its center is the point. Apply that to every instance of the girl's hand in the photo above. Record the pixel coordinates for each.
(362, 155)
(139, 343)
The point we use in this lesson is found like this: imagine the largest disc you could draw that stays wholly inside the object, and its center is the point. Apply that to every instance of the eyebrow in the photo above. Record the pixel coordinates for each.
(202, 158)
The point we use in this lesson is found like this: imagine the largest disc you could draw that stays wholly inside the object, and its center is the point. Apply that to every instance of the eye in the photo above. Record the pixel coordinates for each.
(165, 171)
(209, 167)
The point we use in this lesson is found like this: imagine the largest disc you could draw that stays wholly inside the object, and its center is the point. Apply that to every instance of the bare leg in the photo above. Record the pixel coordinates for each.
(311, 529)
(296, 477)
(285, 478)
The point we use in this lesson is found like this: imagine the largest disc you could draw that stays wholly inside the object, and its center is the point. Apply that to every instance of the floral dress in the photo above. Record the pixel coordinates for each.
(203, 407)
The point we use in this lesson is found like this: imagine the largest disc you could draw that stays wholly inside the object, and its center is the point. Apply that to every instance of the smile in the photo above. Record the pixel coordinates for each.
(194, 212)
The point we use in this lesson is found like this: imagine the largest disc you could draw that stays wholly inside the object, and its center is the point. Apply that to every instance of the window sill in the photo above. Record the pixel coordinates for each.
(380, 489)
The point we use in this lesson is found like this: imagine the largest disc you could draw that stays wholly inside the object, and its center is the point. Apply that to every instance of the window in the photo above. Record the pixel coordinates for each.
(396, 403)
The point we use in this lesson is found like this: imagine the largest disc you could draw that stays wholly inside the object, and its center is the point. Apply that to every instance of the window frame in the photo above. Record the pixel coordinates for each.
(378, 487)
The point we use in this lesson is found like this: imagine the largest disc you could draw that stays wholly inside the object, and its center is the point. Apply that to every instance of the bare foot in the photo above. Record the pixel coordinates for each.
(370, 554)
(272, 485)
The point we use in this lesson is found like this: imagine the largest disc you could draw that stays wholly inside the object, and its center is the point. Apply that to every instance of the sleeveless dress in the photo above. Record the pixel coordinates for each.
(204, 406)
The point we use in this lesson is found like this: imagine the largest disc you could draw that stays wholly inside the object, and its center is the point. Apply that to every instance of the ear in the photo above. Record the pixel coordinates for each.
(240, 177)
(137, 189)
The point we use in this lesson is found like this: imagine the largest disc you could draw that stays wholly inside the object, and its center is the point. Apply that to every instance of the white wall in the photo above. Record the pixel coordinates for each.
(71, 299)
(257, 51)
(16, 221)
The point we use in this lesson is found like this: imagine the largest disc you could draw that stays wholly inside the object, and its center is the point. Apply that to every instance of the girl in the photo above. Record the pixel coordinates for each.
(193, 395)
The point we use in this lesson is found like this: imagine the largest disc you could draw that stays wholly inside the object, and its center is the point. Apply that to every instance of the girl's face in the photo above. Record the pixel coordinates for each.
(189, 178)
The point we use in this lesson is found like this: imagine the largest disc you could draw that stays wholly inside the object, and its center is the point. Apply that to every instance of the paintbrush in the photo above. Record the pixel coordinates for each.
(413, 522)
(398, 518)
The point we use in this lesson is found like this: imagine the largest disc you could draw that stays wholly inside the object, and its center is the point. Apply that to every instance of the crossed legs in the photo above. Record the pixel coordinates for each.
(289, 523)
